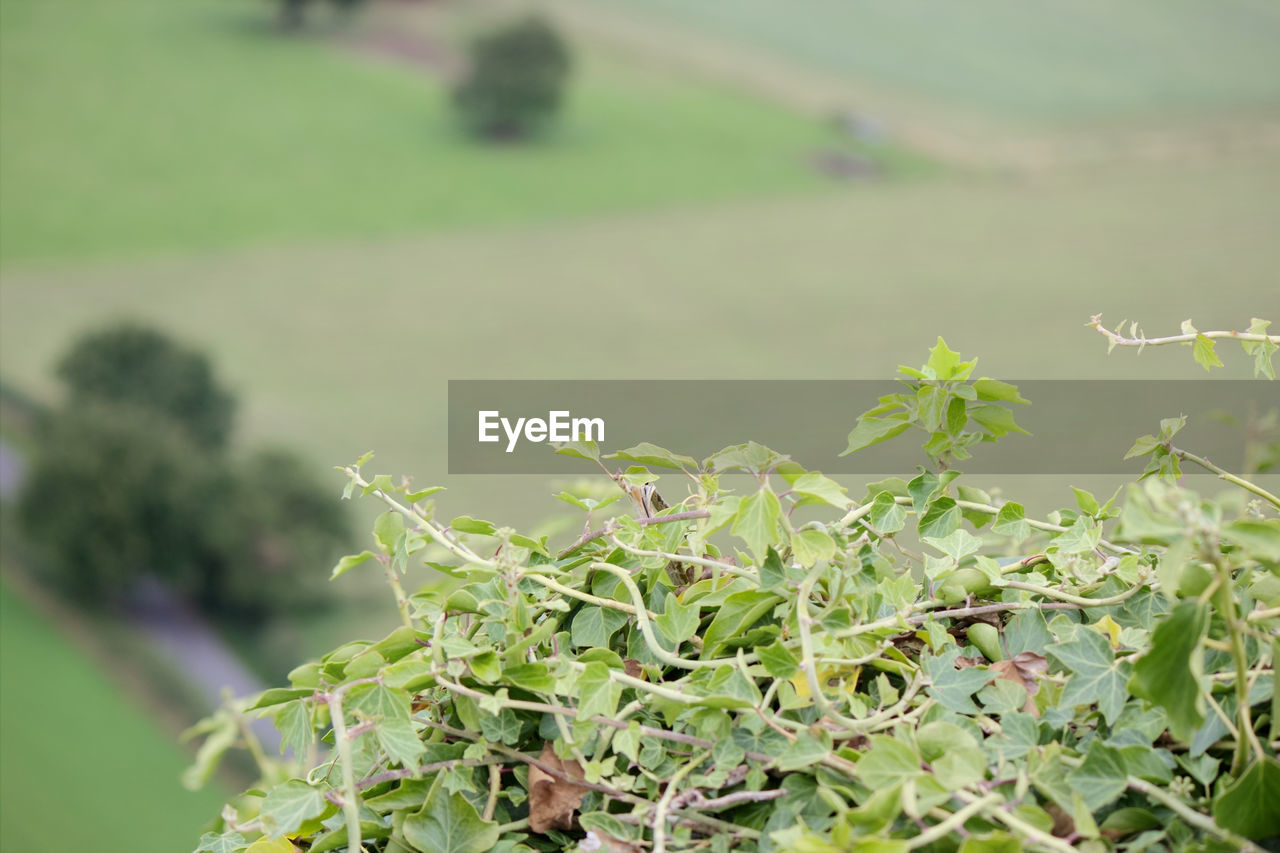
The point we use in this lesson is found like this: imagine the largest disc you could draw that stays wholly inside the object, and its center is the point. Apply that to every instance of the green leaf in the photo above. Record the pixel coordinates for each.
(940, 519)
(287, 806)
(953, 687)
(293, 721)
(805, 751)
(467, 524)
(448, 823)
(1101, 778)
(379, 701)
(535, 677)
(678, 622)
(1095, 675)
(1248, 805)
(1259, 538)
(1169, 673)
(1011, 521)
(757, 521)
(348, 563)
(1204, 354)
(870, 431)
(596, 691)
(227, 842)
(1086, 501)
(505, 727)
(810, 546)
(993, 390)
(887, 763)
(402, 743)
(587, 450)
(659, 457)
(738, 613)
(1083, 535)
(593, 626)
(943, 361)
(778, 660)
(996, 420)
(959, 543)
(886, 516)
(824, 489)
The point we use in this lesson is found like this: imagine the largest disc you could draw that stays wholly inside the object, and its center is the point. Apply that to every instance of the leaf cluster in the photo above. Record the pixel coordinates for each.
(782, 667)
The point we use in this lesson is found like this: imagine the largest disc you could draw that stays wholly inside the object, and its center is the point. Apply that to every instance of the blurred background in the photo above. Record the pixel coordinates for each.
(243, 241)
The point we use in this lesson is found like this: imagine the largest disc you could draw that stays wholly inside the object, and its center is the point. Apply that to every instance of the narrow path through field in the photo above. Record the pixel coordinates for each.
(196, 651)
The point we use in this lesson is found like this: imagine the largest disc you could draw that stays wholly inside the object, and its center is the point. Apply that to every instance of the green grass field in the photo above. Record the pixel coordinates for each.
(83, 768)
(1056, 63)
(150, 126)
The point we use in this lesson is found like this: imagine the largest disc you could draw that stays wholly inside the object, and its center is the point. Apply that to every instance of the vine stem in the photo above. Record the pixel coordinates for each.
(350, 801)
(1190, 815)
(1248, 738)
(1224, 474)
(954, 822)
(1120, 340)
(660, 811)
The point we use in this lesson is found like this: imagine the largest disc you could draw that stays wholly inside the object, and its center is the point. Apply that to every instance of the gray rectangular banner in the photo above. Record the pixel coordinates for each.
(1076, 426)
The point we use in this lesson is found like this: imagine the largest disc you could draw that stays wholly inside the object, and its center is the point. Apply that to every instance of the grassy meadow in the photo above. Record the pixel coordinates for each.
(1053, 64)
(59, 711)
(304, 210)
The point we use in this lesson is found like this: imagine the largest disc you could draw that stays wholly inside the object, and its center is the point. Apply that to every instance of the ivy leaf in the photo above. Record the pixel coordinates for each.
(889, 762)
(1027, 631)
(659, 457)
(293, 721)
(1095, 675)
(597, 694)
(227, 842)
(738, 612)
(587, 450)
(401, 742)
(379, 701)
(1204, 354)
(593, 626)
(1248, 805)
(448, 823)
(778, 660)
(870, 431)
(757, 521)
(1169, 673)
(1101, 778)
(678, 622)
(811, 546)
(287, 806)
(804, 751)
(824, 489)
(348, 563)
(953, 687)
(1259, 538)
(886, 516)
(1011, 521)
(940, 519)
(503, 728)
(995, 391)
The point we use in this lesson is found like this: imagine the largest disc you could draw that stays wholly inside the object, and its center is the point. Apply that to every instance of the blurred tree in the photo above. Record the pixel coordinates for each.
(516, 80)
(115, 491)
(274, 538)
(130, 478)
(130, 364)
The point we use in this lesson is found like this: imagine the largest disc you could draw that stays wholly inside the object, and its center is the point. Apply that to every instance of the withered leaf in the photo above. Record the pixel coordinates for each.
(1024, 669)
(553, 799)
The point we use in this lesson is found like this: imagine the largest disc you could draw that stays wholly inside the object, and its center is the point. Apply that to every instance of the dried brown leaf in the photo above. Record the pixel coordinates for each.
(554, 798)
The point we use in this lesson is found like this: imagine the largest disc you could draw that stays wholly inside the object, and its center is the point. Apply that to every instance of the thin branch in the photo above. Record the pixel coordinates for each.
(611, 526)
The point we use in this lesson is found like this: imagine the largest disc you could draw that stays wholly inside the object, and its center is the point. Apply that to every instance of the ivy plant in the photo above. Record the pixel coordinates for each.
(783, 667)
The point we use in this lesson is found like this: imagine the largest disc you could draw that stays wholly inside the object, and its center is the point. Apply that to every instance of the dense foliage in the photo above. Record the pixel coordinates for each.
(778, 666)
(516, 80)
(131, 477)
